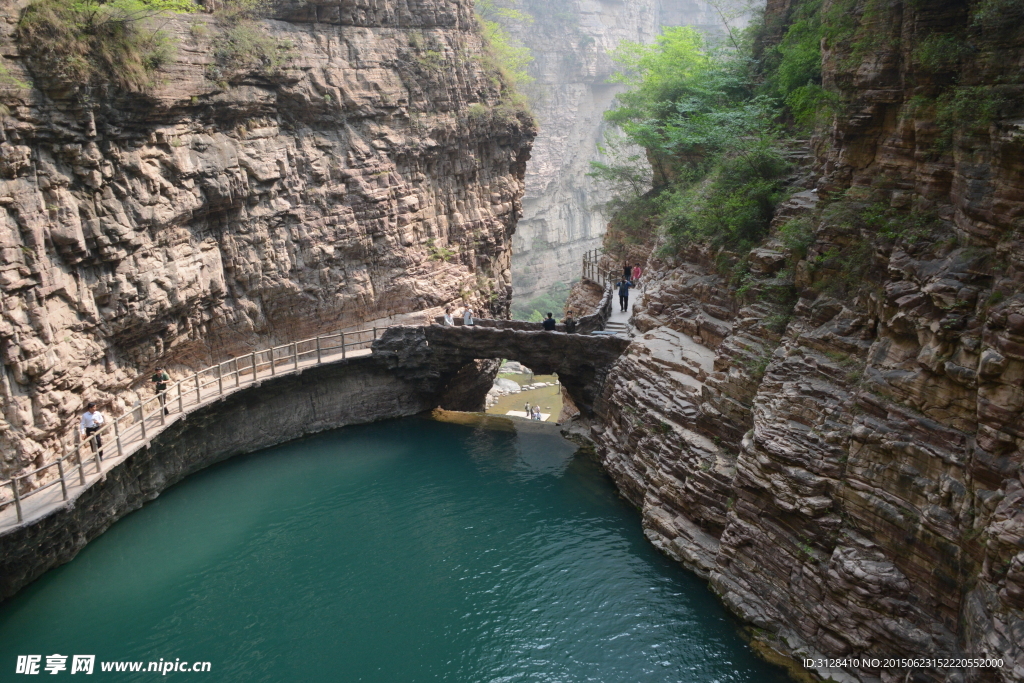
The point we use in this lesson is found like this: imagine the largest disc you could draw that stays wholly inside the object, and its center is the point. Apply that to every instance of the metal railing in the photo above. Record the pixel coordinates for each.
(136, 428)
(592, 269)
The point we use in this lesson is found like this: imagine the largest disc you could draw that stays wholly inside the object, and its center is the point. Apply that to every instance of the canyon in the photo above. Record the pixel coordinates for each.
(831, 440)
(375, 174)
(570, 41)
(835, 444)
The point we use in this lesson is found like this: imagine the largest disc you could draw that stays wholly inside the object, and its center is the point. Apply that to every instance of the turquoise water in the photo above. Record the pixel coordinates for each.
(409, 550)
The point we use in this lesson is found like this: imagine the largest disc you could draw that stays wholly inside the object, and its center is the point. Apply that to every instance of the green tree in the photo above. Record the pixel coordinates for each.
(711, 133)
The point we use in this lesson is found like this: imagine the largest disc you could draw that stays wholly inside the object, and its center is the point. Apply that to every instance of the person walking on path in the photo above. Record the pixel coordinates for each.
(636, 273)
(625, 271)
(623, 285)
(549, 323)
(448, 320)
(536, 413)
(467, 316)
(160, 379)
(570, 324)
(92, 420)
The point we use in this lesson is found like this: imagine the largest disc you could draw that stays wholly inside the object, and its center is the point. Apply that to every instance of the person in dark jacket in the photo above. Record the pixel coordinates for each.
(160, 379)
(623, 286)
(570, 324)
(549, 323)
(626, 270)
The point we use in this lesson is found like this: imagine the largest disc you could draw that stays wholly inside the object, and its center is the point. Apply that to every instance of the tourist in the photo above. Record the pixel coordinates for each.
(623, 285)
(528, 410)
(636, 274)
(448, 320)
(467, 316)
(570, 324)
(92, 420)
(536, 413)
(160, 379)
(549, 323)
(626, 270)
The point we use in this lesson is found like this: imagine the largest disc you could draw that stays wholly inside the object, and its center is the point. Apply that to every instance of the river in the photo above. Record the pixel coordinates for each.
(408, 550)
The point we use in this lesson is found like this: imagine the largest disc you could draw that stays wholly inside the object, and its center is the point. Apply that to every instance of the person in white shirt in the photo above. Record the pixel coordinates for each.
(92, 420)
(448, 320)
(467, 316)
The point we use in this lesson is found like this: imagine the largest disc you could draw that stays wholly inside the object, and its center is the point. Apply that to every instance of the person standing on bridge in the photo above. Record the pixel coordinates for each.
(92, 420)
(623, 286)
(570, 324)
(636, 274)
(448, 320)
(467, 316)
(549, 323)
(160, 379)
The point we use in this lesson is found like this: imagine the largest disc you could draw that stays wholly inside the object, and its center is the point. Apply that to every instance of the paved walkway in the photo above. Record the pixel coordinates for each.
(135, 430)
(138, 435)
(619, 321)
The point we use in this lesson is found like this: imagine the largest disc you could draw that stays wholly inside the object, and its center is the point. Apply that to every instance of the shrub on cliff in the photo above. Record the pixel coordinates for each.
(90, 43)
(710, 135)
(244, 46)
(505, 57)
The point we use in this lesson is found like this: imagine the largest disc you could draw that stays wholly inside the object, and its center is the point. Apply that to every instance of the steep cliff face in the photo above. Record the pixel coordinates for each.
(847, 469)
(376, 173)
(570, 41)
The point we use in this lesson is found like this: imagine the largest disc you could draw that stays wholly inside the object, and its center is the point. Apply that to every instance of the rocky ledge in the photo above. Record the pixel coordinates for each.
(375, 172)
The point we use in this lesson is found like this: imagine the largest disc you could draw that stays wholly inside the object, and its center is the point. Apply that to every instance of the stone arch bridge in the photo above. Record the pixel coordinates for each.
(442, 361)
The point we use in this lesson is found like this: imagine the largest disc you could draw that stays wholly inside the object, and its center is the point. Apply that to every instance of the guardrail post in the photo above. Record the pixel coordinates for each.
(64, 454)
(199, 396)
(220, 379)
(17, 497)
(318, 349)
(343, 346)
(142, 422)
(295, 354)
(181, 400)
(117, 435)
(253, 356)
(238, 377)
(63, 484)
(273, 367)
(81, 465)
(375, 333)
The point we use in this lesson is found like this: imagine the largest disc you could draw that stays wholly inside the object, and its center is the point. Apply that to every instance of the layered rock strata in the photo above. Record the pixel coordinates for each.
(374, 174)
(837, 446)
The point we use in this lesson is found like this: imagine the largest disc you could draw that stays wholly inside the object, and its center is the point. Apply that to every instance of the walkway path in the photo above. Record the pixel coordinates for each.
(619, 321)
(77, 469)
(30, 496)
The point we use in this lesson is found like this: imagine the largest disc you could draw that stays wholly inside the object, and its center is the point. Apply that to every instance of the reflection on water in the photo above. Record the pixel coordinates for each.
(475, 549)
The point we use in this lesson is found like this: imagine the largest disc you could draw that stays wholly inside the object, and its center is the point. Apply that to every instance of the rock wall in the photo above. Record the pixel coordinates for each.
(347, 392)
(846, 470)
(570, 40)
(377, 173)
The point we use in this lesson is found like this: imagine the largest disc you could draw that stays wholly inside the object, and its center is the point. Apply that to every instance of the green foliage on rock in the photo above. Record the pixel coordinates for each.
(505, 55)
(710, 126)
(793, 68)
(536, 308)
(89, 43)
(244, 46)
